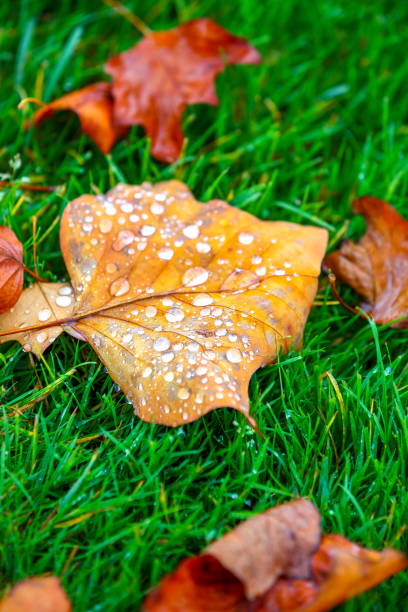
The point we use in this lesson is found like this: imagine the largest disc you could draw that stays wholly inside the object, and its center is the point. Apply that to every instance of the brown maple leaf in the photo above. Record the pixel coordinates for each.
(94, 106)
(157, 78)
(376, 266)
(274, 562)
(11, 268)
(36, 594)
(182, 301)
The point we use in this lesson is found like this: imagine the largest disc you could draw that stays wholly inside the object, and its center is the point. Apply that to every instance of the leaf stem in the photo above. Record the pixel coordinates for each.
(40, 280)
(29, 187)
(127, 14)
(25, 101)
(332, 281)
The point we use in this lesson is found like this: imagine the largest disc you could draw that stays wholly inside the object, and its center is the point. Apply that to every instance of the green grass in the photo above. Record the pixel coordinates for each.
(110, 503)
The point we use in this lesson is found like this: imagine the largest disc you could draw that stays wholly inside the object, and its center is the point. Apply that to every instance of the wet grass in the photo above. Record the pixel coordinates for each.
(108, 502)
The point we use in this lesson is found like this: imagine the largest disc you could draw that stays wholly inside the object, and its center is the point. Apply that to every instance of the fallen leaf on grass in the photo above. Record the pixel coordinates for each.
(11, 268)
(155, 80)
(94, 107)
(274, 562)
(36, 594)
(182, 301)
(376, 266)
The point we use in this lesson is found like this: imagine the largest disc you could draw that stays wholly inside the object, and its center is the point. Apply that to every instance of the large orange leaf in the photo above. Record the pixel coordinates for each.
(274, 562)
(376, 266)
(183, 301)
(11, 268)
(94, 106)
(157, 78)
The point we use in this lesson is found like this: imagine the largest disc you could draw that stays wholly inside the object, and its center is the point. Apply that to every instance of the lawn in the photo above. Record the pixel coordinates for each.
(110, 503)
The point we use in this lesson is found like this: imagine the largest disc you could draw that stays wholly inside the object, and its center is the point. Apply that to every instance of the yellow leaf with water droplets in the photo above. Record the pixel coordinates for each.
(183, 300)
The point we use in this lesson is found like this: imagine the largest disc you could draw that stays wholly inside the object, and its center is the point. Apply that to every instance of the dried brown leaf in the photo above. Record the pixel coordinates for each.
(376, 266)
(301, 574)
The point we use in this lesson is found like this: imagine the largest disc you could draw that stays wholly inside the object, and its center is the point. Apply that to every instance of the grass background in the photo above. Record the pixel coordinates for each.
(110, 503)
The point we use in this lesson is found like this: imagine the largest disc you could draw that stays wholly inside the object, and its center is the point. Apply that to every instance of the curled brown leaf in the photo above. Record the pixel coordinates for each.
(376, 266)
(302, 572)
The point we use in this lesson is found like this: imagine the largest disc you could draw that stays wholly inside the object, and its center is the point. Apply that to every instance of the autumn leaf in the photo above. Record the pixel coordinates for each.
(276, 561)
(11, 268)
(155, 80)
(36, 594)
(376, 266)
(94, 107)
(182, 301)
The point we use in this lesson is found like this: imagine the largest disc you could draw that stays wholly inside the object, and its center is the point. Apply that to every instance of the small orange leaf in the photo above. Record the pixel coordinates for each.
(36, 594)
(376, 266)
(11, 268)
(156, 79)
(94, 106)
(274, 562)
(183, 301)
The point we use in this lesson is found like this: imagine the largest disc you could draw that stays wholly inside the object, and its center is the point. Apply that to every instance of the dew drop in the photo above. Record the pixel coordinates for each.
(234, 355)
(110, 268)
(141, 245)
(245, 238)
(124, 238)
(203, 247)
(134, 218)
(194, 276)
(63, 301)
(41, 337)
(161, 344)
(261, 271)
(44, 314)
(174, 315)
(202, 299)
(151, 311)
(127, 338)
(183, 393)
(147, 372)
(126, 208)
(165, 253)
(167, 357)
(67, 290)
(279, 272)
(119, 287)
(156, 208)
(191, 231)
(221, 332)
(193, 346)
(105, 226)
(147, 230)
(169, 377)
